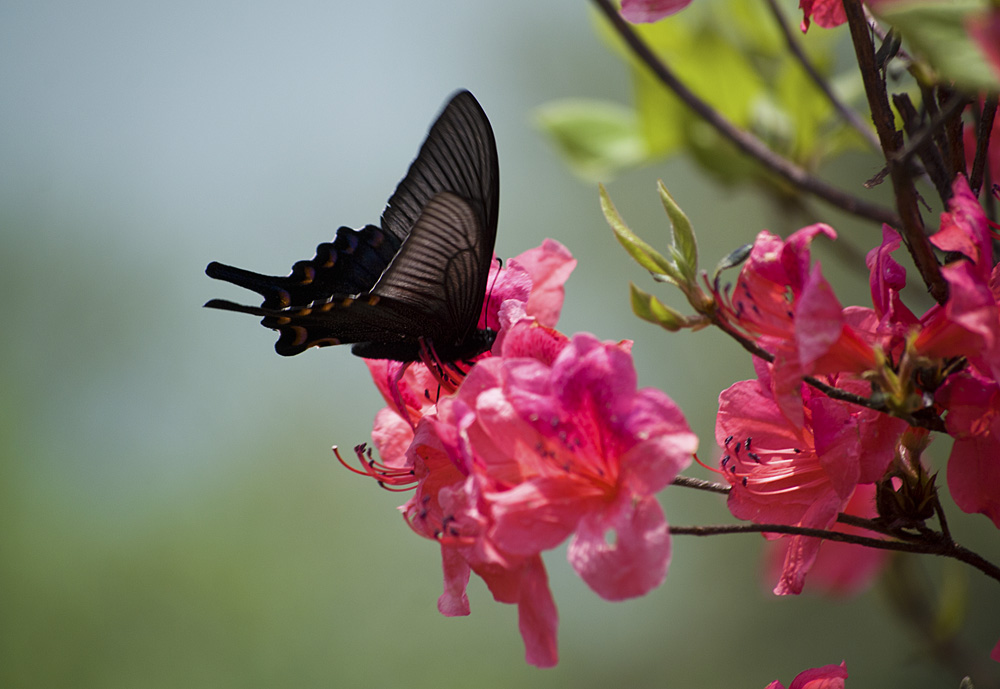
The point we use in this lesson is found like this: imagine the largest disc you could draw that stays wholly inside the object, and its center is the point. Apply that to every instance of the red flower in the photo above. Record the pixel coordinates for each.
(646, 11)
(805, 475)
(826, 677)
(789, 309)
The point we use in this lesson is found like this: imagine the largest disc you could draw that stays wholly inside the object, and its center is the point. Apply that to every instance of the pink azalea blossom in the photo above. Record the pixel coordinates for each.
(966, 327)
(528, 453)
(574, 448)
(782, 473)
(531, 452)
(826, 677)
(826, 13)
(788, 308)
(542, 439)
(647, 11)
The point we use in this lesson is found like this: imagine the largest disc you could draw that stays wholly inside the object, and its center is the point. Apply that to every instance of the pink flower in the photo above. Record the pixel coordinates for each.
(826, 677)
(574, 448)
(788, 308)
(974, 421)
(804, 475)
(530, 452)
(840, 569)
(646, 11)
(826, 13)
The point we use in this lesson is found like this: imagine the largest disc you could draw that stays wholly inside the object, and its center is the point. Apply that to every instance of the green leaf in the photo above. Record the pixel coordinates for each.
(937, 31)
(684, 241)
(597, 138)
(649, 308)
(645, 255)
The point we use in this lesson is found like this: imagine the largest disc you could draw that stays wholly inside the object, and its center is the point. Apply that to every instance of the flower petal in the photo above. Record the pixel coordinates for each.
(635, 562)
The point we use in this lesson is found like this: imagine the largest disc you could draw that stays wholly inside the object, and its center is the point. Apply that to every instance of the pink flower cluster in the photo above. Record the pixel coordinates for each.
(546, 437)
(795, 455)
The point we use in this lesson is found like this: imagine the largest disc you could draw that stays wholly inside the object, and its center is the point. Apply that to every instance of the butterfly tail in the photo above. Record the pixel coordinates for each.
(267, 286)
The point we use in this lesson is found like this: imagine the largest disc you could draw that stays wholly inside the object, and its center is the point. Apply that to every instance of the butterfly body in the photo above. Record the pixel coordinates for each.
(413, 287)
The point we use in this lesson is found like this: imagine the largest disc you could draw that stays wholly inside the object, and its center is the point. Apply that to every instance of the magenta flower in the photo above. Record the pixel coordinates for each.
(840, 569)
(782, 473)
(647, 11)
(574, 449)
(789, 309)
(974, 421)
(826, 677)
(826, 13)
(533, 450)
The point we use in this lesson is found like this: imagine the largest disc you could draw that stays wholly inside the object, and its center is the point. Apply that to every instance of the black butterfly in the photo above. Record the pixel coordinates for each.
(412, 286)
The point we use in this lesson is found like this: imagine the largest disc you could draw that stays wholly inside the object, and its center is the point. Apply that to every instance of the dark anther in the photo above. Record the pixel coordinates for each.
(754, 456)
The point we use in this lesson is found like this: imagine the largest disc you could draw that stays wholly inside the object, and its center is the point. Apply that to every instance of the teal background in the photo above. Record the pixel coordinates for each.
(170, 512)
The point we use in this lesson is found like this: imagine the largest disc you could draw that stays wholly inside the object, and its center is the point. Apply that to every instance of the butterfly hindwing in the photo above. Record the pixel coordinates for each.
(350, 264)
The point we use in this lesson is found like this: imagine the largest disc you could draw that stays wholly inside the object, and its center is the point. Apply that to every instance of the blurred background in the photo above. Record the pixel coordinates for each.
(170, 511)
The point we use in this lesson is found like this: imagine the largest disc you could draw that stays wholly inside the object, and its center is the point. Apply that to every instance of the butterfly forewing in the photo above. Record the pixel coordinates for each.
(459, 156)
(419, 280)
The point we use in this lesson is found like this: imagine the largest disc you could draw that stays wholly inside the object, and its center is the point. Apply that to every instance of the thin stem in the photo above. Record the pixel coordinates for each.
(937, 546)
(743, 140)
(933, 423)
(912, 225)
(850, 116)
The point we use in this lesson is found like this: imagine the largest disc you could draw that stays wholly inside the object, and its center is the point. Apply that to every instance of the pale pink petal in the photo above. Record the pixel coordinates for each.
(540, 514)
(454, 601)
(840, 569)
(886, 277)
(549, 266)
(625, 552)
(646, 11)
(802, 550)
(391, 436)
(818, 321)
(537, 617)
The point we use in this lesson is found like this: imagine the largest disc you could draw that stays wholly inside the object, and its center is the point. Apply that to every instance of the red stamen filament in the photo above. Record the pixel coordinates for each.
(391, 478)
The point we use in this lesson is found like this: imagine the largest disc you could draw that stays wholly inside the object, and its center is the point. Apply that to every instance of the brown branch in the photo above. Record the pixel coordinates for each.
(850, 116)
(929, 546)
(912, 226)
(743, 140)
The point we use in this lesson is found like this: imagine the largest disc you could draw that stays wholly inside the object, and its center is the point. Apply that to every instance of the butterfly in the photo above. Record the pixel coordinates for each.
(413, 286)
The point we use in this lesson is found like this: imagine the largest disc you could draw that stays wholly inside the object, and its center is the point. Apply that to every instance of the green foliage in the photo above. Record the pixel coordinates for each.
(937, 32)
(597, 138)
(731, 55)
(649, 308)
